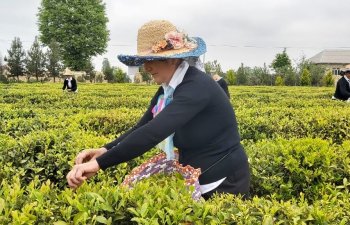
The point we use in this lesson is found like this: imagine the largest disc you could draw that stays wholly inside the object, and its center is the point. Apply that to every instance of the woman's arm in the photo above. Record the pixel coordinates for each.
(186, 104)
(64, 84)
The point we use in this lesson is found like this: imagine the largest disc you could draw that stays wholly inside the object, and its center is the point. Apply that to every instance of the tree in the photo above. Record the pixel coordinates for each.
(327, 79)
(316, 71)
(79, 26)
(279, 81)
(265, 75)
(90, 72)
(35, 61)
(231, 77)
(146, 76)
(213, 68)
(107, 71)
(281, 60)
(16, 58)
(54, 65)
(282, 66)
(305, 79)
(260, 76)
(290, 77)
(120, 75)
(2, 76)
(242, 75)
(99, 77)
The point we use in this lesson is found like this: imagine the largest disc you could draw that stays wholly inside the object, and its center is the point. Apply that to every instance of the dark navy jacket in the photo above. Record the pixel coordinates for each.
(342, 90)
(205, 129)
(73, 82)
(224, 87)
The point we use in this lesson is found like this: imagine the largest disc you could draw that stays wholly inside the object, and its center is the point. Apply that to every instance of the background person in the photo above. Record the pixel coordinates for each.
(342, 90)
(183, 113)
(70, 84)
(222, 83)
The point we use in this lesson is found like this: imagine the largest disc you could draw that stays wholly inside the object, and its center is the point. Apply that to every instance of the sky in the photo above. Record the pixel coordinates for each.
(251, 32)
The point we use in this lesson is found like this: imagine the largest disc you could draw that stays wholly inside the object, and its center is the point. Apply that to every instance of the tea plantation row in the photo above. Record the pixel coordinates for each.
(297, 140)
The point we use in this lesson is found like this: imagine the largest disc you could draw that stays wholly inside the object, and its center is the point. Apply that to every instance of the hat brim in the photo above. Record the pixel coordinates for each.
(137, 60)
(344, 71)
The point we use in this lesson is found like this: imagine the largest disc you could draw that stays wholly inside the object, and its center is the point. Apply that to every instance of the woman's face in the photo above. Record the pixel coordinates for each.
(162, 70)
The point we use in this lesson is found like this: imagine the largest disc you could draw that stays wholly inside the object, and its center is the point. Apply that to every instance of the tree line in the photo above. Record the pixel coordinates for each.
(71, 34)
(280, 72)
(45, 63)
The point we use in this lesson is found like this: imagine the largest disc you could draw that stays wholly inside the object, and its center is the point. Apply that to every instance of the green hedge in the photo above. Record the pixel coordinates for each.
(297, 141)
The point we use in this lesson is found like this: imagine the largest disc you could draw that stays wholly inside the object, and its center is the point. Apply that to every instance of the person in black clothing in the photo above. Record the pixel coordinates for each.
(222, 83)
(342, 90)
(70, 84)
(183, 113)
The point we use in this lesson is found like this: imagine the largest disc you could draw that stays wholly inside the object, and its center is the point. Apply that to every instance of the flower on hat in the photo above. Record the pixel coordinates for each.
(161, 45)
(174, 40)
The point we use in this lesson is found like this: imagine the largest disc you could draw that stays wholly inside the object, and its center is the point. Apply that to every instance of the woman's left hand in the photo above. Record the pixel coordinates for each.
(79, 173)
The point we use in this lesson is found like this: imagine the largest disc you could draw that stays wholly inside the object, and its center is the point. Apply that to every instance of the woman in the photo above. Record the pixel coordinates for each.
(70, 84)
(222, 84)
(189, 111)
(342, 91)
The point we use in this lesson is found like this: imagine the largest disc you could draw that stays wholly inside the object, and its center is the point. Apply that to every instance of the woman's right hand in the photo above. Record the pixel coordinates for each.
(88, 155)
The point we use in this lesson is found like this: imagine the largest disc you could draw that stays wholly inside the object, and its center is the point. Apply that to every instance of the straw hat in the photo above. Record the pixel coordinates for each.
(158, 40)
(67, 72)
(345, 70)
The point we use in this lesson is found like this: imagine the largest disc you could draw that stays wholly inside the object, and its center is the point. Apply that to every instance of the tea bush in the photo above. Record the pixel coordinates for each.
(296, 138)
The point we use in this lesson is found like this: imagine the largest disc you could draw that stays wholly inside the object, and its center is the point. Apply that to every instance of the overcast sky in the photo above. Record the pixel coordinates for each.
(250, 31)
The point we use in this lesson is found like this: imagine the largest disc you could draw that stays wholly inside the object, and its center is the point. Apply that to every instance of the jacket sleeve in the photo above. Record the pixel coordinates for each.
(74, 85)
(344, 88)
(64, 84)
(185, 105)
(225, 87)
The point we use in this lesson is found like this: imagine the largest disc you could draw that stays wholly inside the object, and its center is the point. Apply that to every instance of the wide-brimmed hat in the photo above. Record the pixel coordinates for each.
(67, 72)
(345, 70)
(159, 40)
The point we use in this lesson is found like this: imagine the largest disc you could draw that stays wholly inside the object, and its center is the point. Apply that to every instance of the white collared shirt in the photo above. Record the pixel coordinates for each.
(69, 82)
(346, 78)
(178, 76)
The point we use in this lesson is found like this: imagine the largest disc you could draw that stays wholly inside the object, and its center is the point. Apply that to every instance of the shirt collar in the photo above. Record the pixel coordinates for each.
(347, 79)
(178, 76)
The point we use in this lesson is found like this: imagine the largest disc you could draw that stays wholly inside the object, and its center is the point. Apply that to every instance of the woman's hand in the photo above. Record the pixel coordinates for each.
(85, 167)
(88, 155)
(81, 172)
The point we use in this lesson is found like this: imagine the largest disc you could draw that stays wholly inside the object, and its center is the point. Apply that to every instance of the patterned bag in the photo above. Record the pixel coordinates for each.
(160, 164)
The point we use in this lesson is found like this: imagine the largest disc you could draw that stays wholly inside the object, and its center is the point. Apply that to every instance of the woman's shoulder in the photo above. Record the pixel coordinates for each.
(197, 81)
(195, 74)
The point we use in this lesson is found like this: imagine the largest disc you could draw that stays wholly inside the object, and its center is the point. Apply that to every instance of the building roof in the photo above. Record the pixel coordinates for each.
(332, 57)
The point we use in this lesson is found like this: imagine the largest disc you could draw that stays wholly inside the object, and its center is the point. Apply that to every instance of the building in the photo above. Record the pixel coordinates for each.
(132, 71)
(332, 59)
